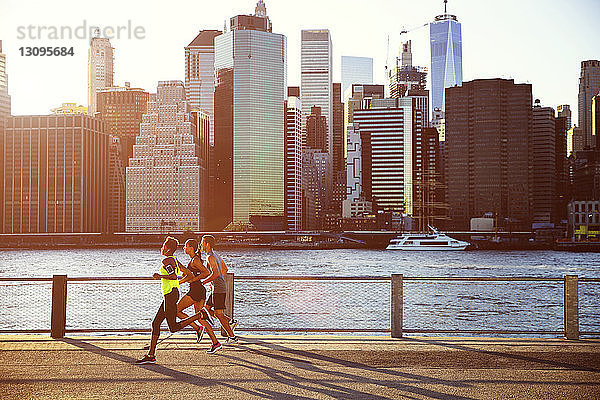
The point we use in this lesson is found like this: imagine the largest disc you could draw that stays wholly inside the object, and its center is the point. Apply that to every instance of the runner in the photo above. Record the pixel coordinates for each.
(169, 270)
(193, 274)
(219, 269)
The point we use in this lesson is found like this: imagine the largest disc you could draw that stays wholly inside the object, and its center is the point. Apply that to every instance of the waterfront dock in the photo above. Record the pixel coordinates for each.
(300, 367)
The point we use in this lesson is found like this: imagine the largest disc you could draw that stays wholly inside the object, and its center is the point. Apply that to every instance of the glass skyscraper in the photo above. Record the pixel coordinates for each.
(356, 70)
(250, 93)
(446, 57)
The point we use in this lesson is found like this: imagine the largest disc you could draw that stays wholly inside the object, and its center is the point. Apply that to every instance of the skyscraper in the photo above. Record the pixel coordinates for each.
(446, 56)
(564, 111)
(163, 176)
(53, 174)
(250, 92)
(100, 69)
(293, 160)
(200, 74)
(4, 97)
(488, 134)
(589, 86)
(391, 153)
(338, 158)
(316, 130)
(406, 79)
(356, 70)
(316, 73)
(596, 120)
(121, 108)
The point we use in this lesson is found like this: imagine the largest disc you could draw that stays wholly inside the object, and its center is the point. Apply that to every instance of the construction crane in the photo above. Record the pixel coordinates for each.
(402, 32)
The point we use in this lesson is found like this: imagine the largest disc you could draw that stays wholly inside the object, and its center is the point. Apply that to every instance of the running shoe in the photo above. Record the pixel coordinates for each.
(231, 340)
(199, 334)
(233, 323)
(146, 360)
(214, 348)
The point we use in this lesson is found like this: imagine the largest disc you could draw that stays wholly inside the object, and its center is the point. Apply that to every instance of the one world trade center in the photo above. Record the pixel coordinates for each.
(446, 56)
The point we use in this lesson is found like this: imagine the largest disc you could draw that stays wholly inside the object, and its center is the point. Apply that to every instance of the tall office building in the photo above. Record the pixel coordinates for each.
(4, 97)
(200, 74)
(488, 134)
(355, 97)
(293, 160)
(575, 141)
(589, 86)
(316, 130)
(391, 152)
(250, 92)
(316, 185)
(121, 108)
(356, 70)
(596, 120)
(338, 193)
(116, 186)
(163, 176)
(53, 174)
(446, 56)
(316, 76)
(100, 69)
(564, 111)
(547, 155)
(405, 79)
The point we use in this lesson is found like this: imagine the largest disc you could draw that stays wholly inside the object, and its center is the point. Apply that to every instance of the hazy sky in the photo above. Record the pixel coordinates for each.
(534, 41)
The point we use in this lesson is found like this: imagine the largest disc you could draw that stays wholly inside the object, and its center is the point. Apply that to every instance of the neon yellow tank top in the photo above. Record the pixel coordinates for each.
(169, 284)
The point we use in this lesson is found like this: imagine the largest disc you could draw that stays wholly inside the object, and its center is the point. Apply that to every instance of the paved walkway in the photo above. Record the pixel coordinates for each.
(300, 367)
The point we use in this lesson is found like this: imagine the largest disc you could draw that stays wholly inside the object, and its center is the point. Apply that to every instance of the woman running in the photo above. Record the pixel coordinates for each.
(193, 274)
(168, 272)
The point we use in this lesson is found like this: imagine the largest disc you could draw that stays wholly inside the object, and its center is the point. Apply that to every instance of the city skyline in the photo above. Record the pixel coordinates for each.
(563, 44)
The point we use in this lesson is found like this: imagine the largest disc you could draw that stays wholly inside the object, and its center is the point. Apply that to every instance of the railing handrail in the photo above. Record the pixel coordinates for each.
(313, 277)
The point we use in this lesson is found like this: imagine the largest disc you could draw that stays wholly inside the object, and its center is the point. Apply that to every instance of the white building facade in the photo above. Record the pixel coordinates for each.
(200, 74)
(316, 81)
(163, 176)
(100, 69)
(293, 164)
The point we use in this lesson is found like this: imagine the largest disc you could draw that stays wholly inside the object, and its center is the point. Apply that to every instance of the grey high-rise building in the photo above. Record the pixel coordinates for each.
(405, 78)
(446, 56)
(596, 120)
(316, 72)
(356, 70)
(4, 97)
(200, 74)
(589, 86)
(250, 94)
(100, 69)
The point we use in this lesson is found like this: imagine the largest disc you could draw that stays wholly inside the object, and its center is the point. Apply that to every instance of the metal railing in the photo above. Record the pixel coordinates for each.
(397, 305)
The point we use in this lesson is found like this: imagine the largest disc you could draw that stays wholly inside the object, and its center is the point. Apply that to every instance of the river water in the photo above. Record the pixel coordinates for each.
(263, 305)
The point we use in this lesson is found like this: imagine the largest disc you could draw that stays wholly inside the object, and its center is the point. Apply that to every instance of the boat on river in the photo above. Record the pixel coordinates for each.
(426, 242)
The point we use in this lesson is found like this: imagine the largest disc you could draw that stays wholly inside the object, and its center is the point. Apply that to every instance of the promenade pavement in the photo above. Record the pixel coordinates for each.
(300, 367)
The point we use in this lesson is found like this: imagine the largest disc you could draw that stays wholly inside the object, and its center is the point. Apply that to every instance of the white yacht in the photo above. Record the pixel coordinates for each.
(426, 241)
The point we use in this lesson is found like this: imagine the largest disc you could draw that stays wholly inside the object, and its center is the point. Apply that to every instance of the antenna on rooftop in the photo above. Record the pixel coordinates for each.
(445, 4)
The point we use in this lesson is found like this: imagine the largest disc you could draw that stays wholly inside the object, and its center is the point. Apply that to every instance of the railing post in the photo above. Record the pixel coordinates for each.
(571, 307)
(229, 281)
(58, 315)
(396, 305)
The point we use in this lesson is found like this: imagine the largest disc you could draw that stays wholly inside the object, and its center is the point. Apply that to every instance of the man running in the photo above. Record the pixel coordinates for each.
(217, 277)
(168, 272)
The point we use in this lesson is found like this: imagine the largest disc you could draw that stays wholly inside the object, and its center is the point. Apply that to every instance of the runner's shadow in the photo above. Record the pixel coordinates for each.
(336, 390)
(552, 363)
(177, 375)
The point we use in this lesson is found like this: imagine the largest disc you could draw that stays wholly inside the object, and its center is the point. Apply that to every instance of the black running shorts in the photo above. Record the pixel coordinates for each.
(197, 291)
(218, 300)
